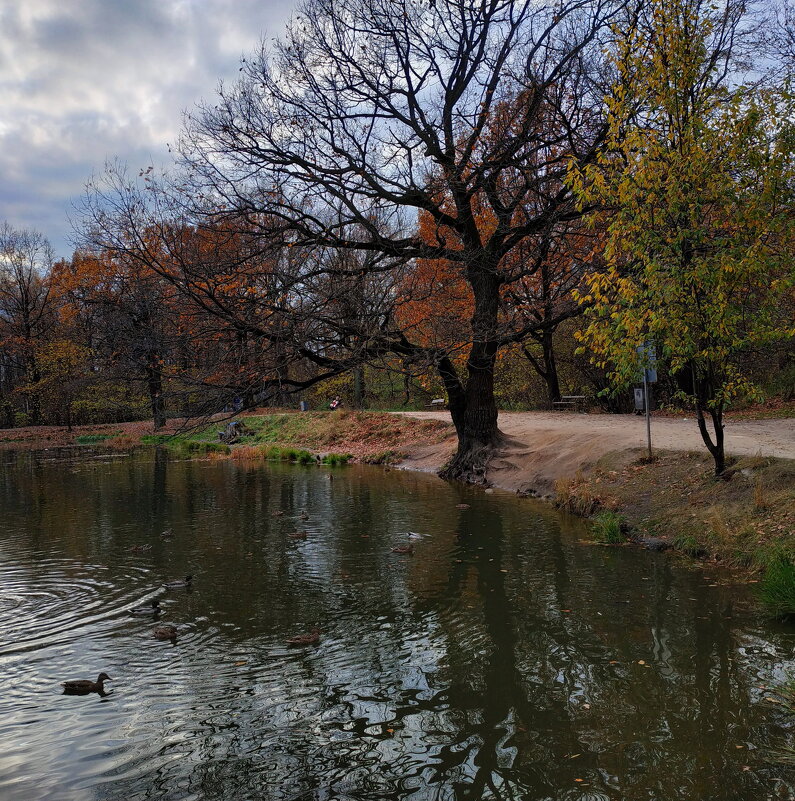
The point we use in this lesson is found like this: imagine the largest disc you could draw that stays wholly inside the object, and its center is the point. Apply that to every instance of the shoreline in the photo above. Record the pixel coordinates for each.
(590, 465)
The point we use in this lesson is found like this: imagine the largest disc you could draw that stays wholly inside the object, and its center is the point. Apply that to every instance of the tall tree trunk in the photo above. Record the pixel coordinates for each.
(552, 381)
(546, 367)
(34, 403)
(472, 406)
(154, 383)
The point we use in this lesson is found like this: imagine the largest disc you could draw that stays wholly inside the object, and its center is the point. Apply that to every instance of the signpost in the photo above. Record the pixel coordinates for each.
(648, 359)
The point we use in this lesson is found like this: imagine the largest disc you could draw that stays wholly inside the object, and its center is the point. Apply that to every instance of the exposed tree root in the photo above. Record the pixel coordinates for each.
(469, 465)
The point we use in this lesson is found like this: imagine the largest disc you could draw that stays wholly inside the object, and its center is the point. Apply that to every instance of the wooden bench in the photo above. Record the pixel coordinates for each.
(437, 403)
(570, 402)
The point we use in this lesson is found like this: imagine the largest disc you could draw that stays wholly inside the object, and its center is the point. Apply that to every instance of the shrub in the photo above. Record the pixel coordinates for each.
(21, 419)
(608, 527)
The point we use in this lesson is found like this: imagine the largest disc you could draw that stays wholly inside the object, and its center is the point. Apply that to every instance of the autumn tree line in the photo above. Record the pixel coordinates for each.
(470, 198)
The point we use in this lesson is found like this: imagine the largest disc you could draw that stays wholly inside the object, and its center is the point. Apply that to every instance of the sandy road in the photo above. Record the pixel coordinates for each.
(743, 437)
(544, 446)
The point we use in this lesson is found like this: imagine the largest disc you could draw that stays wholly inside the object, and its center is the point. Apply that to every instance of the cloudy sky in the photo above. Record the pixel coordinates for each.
(83, 81)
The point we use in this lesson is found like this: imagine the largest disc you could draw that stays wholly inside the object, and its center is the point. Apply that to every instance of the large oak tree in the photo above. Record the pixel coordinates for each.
(369, 113)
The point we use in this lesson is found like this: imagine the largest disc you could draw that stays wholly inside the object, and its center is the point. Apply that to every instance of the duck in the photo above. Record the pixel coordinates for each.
(152, 609)
(304, 515)
(165, 633)
(277, 513)
(312, 638)
(85, 686)
(297, 535)
(404, 549)
(176, 583)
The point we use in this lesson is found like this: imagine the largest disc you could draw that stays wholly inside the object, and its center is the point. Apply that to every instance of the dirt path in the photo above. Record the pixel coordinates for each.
(545, 446)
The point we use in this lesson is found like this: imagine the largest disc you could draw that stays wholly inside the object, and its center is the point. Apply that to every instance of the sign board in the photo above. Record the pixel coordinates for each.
(648, 360)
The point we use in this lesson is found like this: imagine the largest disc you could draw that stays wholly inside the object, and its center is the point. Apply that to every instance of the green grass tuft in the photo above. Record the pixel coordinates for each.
(689, 544)
(777, 589)
(90, 439)
(608, 527)
(334, 459)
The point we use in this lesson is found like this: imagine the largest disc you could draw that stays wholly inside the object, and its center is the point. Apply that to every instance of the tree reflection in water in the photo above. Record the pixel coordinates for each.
(503, 660)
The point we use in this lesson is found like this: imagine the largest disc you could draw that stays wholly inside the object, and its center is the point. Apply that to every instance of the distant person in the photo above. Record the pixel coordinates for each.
(336, 403)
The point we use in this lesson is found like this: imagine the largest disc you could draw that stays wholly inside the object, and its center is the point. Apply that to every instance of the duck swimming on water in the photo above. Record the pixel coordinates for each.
(172, 585)
(165, 633)
(313, 638)
(86, 686)
(152, 609)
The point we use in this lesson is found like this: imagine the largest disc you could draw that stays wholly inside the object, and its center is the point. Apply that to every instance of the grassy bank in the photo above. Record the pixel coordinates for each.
(745, 520)
(328, 437)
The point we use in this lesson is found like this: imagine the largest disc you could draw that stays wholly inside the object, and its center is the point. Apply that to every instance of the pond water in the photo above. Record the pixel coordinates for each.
(505, 658)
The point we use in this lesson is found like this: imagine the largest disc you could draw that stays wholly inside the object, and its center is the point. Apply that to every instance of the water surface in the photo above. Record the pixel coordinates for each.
(504, 659)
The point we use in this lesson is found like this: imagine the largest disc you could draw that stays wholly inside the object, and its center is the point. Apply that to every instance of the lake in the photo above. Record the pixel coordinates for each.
(505, 657)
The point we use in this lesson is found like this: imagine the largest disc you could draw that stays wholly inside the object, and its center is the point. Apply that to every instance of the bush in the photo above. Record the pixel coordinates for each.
(777, 590)
(608, 527)
(21, 419)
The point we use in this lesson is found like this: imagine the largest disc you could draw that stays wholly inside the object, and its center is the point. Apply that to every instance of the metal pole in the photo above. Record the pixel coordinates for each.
(648, 412)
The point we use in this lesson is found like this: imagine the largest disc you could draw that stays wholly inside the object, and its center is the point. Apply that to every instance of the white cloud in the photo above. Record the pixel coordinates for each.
(82, 81)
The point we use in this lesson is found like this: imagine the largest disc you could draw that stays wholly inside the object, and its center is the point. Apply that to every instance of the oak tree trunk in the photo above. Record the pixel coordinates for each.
(472, 404)
(154, 383)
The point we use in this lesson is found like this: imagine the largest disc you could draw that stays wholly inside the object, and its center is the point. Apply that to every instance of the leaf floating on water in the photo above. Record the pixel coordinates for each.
(242, 662)
(641, 662)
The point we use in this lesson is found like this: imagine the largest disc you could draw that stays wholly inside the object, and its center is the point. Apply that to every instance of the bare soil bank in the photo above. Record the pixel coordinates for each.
(542, 447)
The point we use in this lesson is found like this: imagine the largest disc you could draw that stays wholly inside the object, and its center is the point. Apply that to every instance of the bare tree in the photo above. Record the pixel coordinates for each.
(25, 309)
(385, 109)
